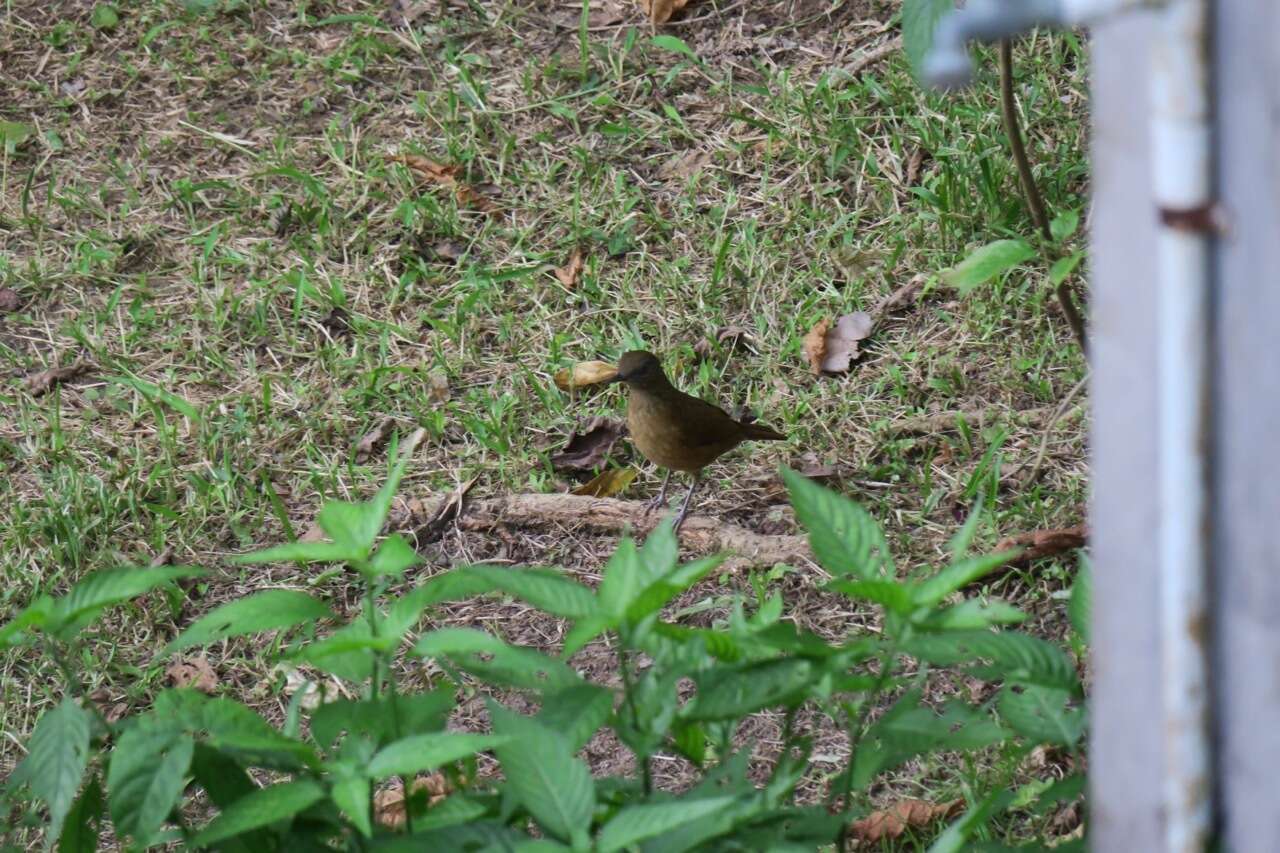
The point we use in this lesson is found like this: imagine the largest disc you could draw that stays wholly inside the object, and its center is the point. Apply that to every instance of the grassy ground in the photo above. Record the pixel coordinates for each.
(208, 213)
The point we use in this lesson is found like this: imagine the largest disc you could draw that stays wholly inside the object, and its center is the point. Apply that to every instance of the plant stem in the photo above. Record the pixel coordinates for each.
(857, 728)
(628, 688)
(382, 661)
(1030, 192)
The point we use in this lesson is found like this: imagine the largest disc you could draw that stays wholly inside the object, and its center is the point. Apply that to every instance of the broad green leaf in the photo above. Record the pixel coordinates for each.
(543, 774)
(660, 552)
(986, 263)
(957, 576)
(305, 552)
(1012, 656)
(1080, 607)
(576, 712)
(450, 586)
(262, 807)
(13, 134)
(415, 713)
(394, 556)
(973, 614)
(659, 593)
(623, 578)
(420, 753)
(269, 610)
(636, 823)
(145, 780)
(104, 17)
(675, 45)
(1064, 224)
(348, 652)
(919, 18)
(57, 755)
(156, 394)
(350, 792)
(1064, 267)
(1042, 714)
(510, 665)
(730, 692)
(93, 594)
(36, 615)
(83, 825)
(548, 591)
(235, 730)
(349, 524)
(887, 593)
(380, 504)
(586, 630)
(845, 538)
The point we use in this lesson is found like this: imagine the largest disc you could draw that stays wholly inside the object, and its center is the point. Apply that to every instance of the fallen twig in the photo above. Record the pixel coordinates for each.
(699, 533)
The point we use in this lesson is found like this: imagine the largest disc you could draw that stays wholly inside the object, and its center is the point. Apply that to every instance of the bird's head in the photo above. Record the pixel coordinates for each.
(640, 369)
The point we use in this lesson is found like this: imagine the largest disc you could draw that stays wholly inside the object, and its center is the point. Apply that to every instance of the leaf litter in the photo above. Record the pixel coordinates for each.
(587, 449)
(607, 483)
(584, 373)
(832, 347)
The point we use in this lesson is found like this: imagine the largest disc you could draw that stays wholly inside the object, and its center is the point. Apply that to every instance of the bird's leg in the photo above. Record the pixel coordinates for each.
(661, 497)
(684, 507)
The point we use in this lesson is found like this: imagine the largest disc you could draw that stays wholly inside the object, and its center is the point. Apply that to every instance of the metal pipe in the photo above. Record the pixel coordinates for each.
(948, 66)
(1183, 167)
(1182, 159)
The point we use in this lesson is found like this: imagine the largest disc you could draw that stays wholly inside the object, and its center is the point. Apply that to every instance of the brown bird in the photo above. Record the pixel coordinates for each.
(674, 430)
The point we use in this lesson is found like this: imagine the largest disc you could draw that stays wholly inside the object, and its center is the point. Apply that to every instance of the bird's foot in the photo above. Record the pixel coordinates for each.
(655, 502)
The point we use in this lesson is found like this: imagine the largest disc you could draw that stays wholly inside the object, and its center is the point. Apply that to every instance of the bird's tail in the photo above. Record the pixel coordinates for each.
(760, 432)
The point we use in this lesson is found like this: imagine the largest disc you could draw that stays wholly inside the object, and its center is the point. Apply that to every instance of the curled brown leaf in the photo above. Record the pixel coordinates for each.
(831, 348)
(195, 673)
(584, 373)
(45, 381)
(569, 274)
(894, 821)
(373, 439)
(588, 448)
(660, 11)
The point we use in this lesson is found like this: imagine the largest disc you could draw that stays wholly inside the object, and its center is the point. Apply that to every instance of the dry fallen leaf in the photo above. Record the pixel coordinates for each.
(428, 169)
(895, 820)
(584, 373)
(448, 250)
(388, 804)
(809, 466)
(195, 673)
(373, 439)
(660, 11)
(607, 483)
(9, 300)
(1045, 543)
(587, 449)
(569, 274)
(831, 349)
(438, 387)
(437, 173)
(44, 381)
(683, 165)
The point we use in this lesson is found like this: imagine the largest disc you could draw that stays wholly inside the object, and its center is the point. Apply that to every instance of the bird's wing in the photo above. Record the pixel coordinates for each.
(705, 424)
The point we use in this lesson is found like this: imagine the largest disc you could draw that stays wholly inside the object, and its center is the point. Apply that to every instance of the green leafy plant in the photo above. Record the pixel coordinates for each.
(263, 787)
(919, 21)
